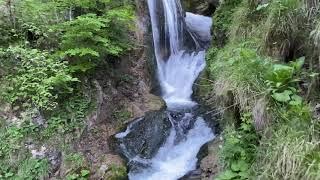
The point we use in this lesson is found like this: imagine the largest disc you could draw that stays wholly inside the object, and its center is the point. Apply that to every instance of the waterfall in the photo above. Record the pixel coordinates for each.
(180, 41)
(177, 72)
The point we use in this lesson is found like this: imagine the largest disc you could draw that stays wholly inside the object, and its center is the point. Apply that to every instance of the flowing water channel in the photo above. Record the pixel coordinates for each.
(180, 41)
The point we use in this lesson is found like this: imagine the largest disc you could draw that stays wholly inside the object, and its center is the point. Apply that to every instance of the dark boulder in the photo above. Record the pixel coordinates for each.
(146, 135)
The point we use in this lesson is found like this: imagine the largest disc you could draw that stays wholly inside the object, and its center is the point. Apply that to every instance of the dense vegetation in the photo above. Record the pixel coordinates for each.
(47, 48)
(265, 65)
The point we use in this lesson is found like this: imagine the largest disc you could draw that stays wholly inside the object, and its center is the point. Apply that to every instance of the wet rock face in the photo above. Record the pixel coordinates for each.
(146, 135)
(210, 165)
(193, 175)
(203, 7)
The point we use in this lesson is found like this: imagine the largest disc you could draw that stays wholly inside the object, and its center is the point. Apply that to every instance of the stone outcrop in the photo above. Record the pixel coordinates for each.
(203, 7)
(146, 135)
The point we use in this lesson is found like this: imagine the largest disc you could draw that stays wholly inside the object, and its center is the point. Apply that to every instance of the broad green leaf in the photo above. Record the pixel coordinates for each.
(295, 100)
(262, 6)
(282, 97)
(239, 165)
(227, 175)
(244, 174)
(298, 64)
(85, 173)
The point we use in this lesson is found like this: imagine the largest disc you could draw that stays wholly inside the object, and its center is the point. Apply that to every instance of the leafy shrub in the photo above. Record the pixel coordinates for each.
(68, 118)
(33, 78)
(7, 34)
(238, 151)
(282, 83)
(13, 151)
(33, 169)
(83, 175)
(77, 167)
(89, 37)
(223, 19)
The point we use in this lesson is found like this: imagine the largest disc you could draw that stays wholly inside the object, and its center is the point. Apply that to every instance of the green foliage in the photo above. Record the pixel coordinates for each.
(51, 12)
(223, 16)
(289, 153)
(282, 7)
(239, 149)
(44, 44)
(121, 115)
(223, 19)
(29, 169)
(33, 78)
(77, 28)
(239, 67)
(7, 34)
(68, 119)
(83, 175)
(89, 37)
(33, 169)
(247, 68)
(118, 173)
(77, 167)
(287, 28)
(282, 83)
(12, 136)
(75, 160)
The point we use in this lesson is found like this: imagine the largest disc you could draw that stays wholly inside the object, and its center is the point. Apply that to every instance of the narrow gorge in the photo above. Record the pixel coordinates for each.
(165, 144)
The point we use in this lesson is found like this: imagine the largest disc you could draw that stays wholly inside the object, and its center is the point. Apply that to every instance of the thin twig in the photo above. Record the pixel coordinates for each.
(226, 108)
(221, 111)
(202, 85)
(207, 79)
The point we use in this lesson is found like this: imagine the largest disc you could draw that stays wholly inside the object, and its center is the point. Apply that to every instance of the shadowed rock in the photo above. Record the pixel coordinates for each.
(144, 136)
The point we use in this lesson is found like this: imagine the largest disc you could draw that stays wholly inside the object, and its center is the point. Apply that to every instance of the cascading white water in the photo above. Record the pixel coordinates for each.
(177, 72)
(174, 160)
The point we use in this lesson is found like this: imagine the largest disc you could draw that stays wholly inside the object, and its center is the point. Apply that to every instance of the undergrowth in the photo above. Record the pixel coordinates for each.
(239, 150)
(67, 120)
(47, 51)
(268, 67)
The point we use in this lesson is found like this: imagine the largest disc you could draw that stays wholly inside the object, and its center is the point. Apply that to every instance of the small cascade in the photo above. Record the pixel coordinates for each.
(177, 156)
(180, 41)
(178, 71)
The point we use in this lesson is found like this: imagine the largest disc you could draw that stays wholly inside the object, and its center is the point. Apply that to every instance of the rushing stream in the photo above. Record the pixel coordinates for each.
(180, 40)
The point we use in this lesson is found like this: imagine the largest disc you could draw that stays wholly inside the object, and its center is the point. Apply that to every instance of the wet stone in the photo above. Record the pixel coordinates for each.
(146, 136)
